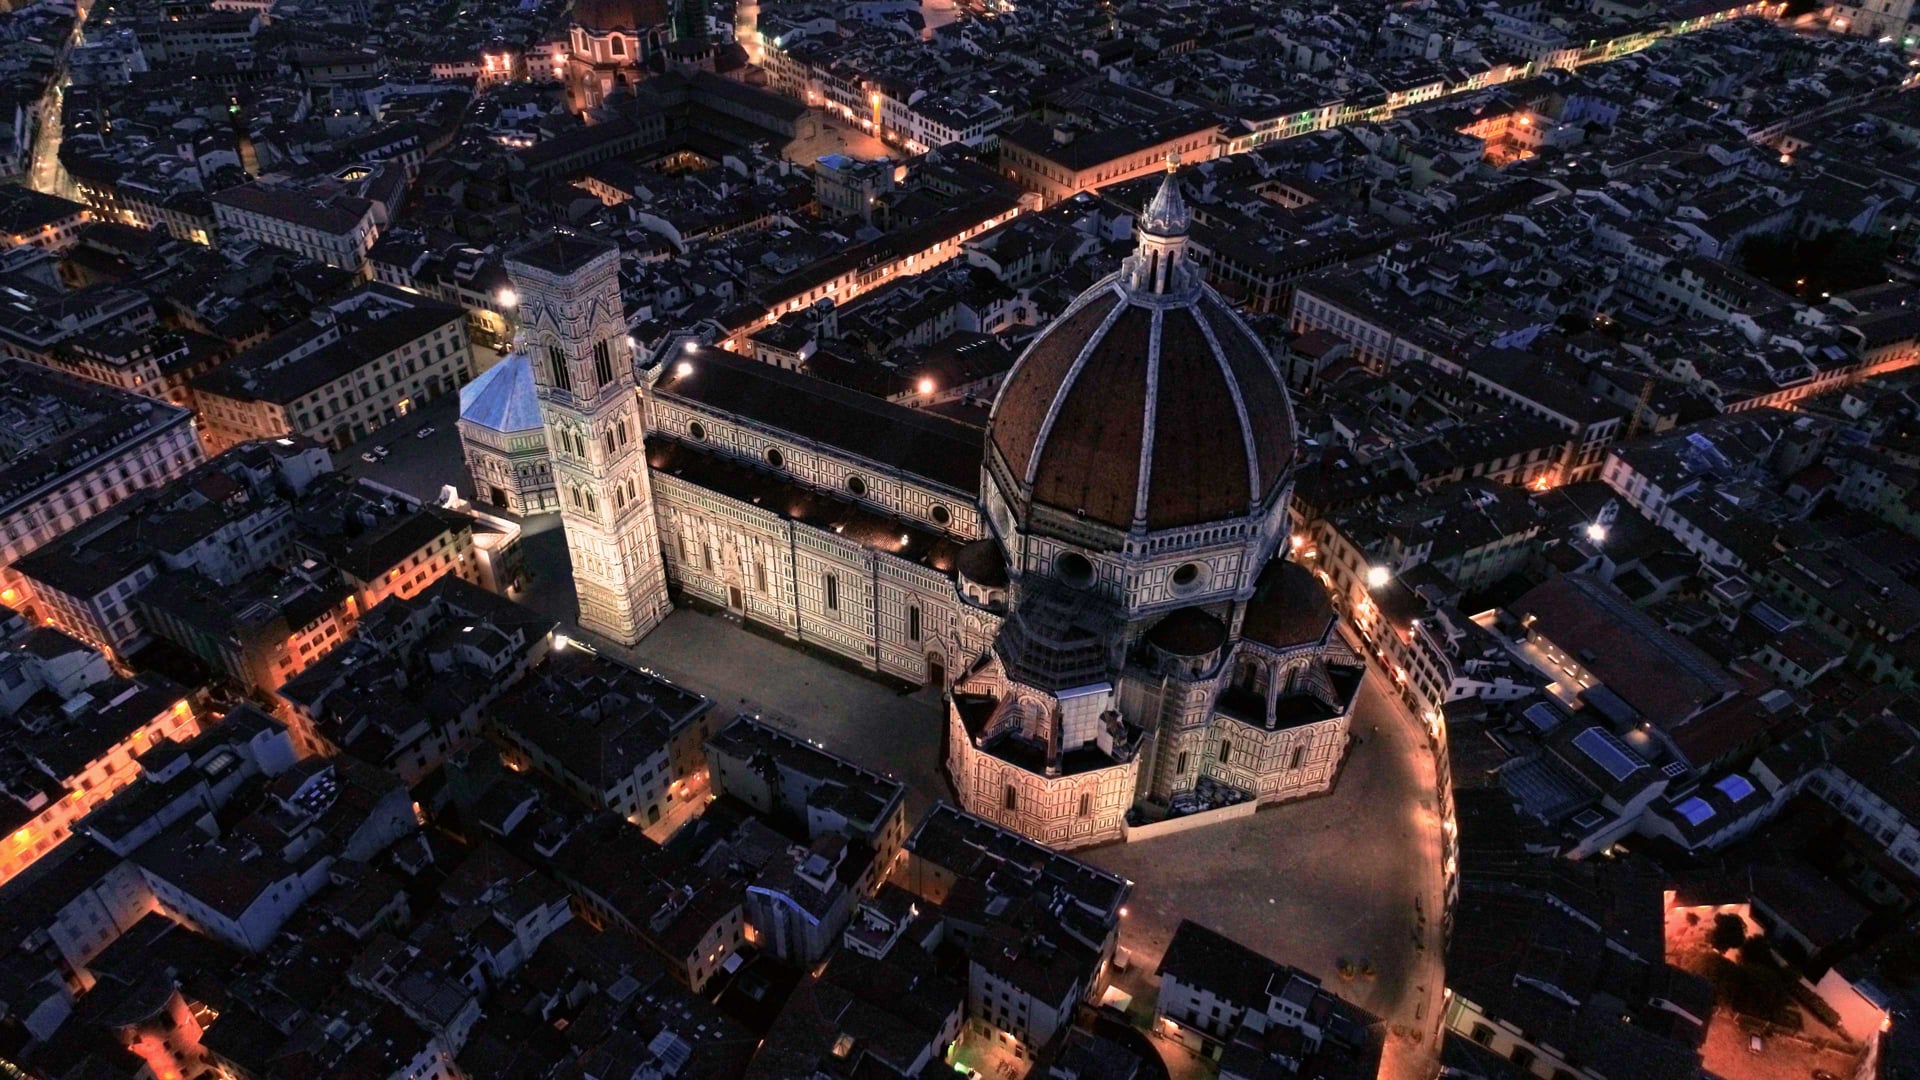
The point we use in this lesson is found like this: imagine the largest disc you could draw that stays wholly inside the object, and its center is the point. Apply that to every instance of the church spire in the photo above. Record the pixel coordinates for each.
(1167, 214)
(1158, 265)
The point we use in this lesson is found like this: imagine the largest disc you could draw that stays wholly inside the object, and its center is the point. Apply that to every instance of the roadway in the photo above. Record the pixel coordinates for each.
(1352, 877)
(45, 173)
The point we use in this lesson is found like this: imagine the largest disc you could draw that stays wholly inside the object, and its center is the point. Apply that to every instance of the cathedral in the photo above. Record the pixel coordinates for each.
(1099, 579)
(618, 43)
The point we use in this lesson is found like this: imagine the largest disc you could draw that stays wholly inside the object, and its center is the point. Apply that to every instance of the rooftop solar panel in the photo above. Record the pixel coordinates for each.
(1766, 616)
(1542, 716)
(1734, 787)
(1608, 752)
(1695, 810)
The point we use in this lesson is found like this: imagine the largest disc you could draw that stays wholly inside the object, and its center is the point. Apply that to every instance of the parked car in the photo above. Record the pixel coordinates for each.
(425, 430)
(369, 457)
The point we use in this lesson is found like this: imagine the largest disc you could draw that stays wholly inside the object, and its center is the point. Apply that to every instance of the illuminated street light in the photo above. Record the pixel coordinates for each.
(1596, 532)
(1378, 576)
(508, 298)
(926, 386)
(684, 369)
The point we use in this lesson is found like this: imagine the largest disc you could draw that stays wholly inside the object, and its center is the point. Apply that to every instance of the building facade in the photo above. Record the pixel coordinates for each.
(73, 450)
(572, 321)
(609, 44)
(353, 366)
(1158, 655)
(1114, 590)
(331, 227)
(503, 440)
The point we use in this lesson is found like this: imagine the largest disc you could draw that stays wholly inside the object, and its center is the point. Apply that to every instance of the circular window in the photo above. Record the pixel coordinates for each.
(1185, 575)
(856, 485)
(698, 430)
(1074, 569)
(775, 458)
(940, 515)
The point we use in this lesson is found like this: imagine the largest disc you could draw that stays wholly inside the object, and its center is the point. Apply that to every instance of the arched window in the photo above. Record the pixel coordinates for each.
(602, 363)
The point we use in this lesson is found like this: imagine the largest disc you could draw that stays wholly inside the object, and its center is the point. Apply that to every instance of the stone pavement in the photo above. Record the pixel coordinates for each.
(1344, 876)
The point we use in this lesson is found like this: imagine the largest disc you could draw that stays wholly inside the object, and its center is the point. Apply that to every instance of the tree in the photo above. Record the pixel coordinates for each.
(1729, 932)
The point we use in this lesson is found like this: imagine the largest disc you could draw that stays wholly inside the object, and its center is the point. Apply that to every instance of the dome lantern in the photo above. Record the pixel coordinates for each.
(1158, 266)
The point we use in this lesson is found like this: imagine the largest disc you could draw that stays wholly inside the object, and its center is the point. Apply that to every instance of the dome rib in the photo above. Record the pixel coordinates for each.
(1200, 464)
(1093, 344)
(1089, 459)
(1021, 411)
(1254, 474)
(1148, 404)
(1150, 422)
(1261, 383)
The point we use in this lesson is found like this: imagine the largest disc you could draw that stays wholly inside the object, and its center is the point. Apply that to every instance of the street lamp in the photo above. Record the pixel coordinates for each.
(1378, 576)
(508, 298)
(926, 387)
(1596, 532)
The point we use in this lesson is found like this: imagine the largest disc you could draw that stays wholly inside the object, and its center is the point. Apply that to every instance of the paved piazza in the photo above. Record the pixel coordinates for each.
(1311, 883)
(1317, 882)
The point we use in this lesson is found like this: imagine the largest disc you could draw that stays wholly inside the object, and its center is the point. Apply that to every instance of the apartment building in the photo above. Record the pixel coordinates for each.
(332, 227)
(70, 450)
(352, 367)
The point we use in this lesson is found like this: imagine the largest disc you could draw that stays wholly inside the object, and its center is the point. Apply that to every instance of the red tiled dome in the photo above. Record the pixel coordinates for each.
(1137, 407)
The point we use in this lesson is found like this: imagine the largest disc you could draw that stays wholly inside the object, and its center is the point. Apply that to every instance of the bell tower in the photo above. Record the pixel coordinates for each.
(573, 329)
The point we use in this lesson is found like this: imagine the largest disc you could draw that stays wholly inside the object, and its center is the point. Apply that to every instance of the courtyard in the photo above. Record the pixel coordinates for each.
(1754, 999)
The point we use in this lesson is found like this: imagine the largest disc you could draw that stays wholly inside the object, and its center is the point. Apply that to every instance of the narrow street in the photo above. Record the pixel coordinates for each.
(47, 175)
(44, 172)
